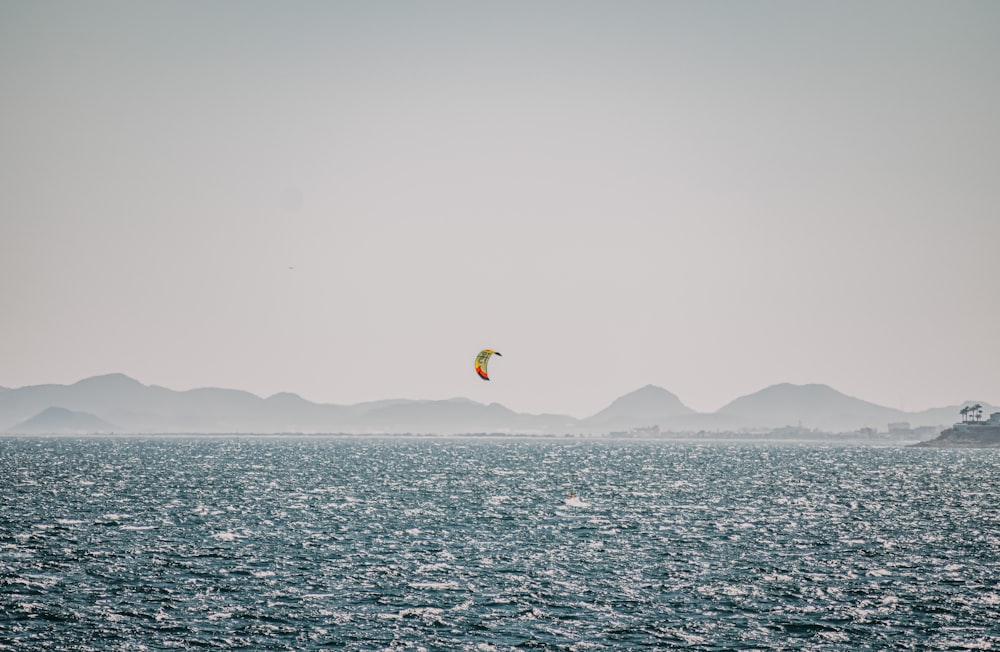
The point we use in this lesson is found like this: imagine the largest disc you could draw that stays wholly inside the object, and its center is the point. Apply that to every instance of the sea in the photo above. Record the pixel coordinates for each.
(409, 543)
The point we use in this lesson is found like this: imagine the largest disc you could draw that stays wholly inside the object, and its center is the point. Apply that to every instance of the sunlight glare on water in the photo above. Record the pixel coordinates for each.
(311, 543)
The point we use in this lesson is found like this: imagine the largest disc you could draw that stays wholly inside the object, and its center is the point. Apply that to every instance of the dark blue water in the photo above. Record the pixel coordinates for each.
(293, 544)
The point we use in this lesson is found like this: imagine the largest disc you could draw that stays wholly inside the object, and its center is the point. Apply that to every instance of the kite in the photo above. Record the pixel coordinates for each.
(482, 359)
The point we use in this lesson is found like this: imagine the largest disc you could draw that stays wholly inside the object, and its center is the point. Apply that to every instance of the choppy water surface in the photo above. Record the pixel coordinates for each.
(468, 544)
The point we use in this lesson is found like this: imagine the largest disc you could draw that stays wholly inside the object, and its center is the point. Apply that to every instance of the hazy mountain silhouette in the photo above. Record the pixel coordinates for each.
(60, 421)
(649, 405)
(813, 406)
(137, 408)
(452, 416)
(148, 408)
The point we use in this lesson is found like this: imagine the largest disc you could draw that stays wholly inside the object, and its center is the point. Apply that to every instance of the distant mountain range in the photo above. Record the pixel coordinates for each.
(117, 403)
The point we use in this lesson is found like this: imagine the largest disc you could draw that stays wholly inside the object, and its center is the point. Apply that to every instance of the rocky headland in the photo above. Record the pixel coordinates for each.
(965, 435)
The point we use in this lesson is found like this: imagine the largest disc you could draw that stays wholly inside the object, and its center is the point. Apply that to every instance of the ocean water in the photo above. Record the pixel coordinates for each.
(469, 544)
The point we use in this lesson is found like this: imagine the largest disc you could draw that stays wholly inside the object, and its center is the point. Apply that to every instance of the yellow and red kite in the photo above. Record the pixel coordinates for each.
(482, 359)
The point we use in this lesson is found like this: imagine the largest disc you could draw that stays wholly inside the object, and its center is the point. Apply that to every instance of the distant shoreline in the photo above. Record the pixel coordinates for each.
(693, 438)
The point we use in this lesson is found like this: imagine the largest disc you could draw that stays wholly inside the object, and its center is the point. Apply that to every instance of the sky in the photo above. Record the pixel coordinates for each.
(348, 200)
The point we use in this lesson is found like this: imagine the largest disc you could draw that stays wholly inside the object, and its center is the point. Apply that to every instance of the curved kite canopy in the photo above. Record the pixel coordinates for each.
(482, 359)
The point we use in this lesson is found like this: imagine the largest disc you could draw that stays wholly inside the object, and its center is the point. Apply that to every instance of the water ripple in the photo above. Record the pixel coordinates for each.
(312, 543)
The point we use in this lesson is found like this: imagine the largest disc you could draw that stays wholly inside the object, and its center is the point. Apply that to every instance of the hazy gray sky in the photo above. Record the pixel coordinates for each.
(349, 200)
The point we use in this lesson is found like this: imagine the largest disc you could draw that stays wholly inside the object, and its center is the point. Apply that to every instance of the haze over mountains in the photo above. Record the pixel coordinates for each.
(117, 403)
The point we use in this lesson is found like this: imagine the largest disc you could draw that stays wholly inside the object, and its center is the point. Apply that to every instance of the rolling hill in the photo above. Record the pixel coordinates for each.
(60, 421)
